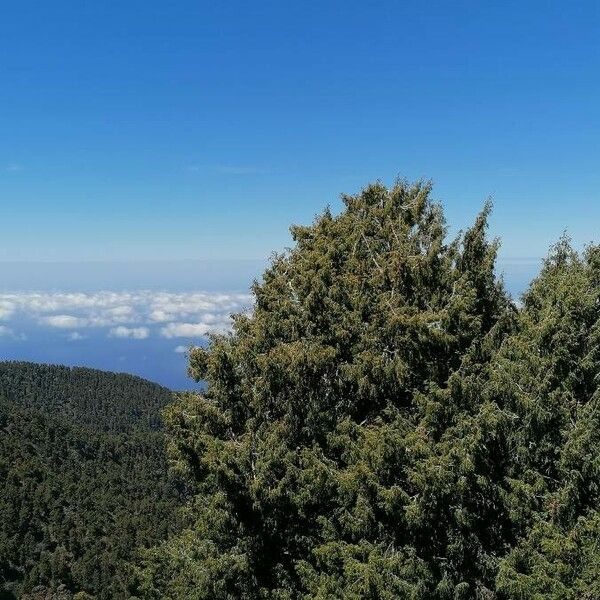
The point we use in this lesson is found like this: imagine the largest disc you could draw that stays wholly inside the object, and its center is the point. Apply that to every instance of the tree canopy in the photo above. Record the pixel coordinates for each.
(342, 449)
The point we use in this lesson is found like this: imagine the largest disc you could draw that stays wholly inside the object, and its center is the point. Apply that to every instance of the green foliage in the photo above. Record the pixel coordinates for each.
(104, 401)
(78, 500)
(385, 424)
(338, 451)
(549, 380)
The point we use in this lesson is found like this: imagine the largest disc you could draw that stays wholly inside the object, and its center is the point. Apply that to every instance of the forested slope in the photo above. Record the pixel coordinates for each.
(105, 401)
(83, 476)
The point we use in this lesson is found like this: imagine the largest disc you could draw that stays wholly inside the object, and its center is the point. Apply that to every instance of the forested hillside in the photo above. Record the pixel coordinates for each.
(388, 423)
(102, 400)
(84, 479)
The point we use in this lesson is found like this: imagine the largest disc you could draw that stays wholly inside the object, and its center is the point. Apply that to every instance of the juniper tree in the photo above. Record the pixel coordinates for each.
(321, 409)
(550, 381)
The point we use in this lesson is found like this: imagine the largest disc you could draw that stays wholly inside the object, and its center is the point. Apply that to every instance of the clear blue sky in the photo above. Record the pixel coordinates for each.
(200, 130)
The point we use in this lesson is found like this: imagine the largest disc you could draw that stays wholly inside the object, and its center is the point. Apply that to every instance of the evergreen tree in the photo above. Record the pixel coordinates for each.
(548, 377)
(331, 452)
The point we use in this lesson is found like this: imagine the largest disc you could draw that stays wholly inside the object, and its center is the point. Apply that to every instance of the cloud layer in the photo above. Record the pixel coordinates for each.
(134, 315)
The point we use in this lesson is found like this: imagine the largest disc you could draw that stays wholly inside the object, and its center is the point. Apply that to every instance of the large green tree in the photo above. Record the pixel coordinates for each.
(547, 377)
(342, 449)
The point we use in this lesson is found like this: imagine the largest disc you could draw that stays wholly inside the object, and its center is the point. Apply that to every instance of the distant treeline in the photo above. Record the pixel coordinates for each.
(111, 402)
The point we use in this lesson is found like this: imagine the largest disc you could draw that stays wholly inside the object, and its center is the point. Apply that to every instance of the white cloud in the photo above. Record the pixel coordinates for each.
(181, 349)
(6, 309)
(160, 316)
(195, 330)
(127, 314)
(65, 321)
(188, 330)
(75, 336)
(121, 313)
(135, 333)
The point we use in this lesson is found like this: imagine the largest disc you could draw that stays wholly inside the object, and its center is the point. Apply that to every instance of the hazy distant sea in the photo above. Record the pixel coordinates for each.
(136, 317)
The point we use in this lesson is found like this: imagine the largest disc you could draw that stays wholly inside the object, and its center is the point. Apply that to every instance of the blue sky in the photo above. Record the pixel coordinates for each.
(168, 146)
(196, 130)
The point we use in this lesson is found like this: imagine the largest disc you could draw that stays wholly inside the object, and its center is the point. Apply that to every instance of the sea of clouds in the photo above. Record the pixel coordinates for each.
(135, 315)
